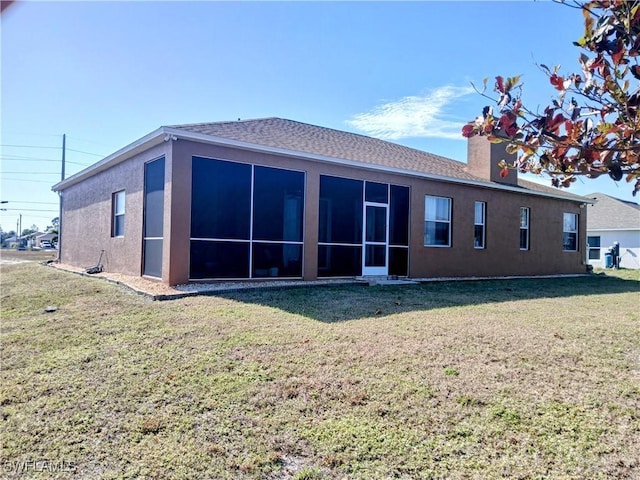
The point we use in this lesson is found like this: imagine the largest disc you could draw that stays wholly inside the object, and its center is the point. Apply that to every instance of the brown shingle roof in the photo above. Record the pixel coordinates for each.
(300, 137)
(303, 137)
(612, 213)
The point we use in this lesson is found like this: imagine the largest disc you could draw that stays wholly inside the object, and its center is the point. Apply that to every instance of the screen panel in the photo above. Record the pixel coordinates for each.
(219, 259)
(278, 204)
(340, 210)
(220, 199)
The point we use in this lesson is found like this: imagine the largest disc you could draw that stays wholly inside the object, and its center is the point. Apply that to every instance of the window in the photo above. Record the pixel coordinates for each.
(478, 225)
(437, 222)
(570, 232)
(117, 228)
(594, 248)
(524, 228)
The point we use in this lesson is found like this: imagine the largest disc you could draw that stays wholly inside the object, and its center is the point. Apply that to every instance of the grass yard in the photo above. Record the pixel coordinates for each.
(528, 379)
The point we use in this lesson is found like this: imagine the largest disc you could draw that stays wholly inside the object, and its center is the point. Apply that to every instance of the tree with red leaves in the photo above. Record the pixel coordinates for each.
(592, 126)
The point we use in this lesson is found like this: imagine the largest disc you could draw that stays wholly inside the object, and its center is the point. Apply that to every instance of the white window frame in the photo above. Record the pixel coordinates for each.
(448, 221)
(481, 223)
(594, 249)
(118, 212)
(573, 230)
(525, 227)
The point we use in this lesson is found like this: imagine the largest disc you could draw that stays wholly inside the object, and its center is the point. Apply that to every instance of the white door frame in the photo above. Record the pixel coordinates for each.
(375, 270)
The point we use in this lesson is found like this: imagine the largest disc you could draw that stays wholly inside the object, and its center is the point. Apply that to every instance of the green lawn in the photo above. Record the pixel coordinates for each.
(503, 379)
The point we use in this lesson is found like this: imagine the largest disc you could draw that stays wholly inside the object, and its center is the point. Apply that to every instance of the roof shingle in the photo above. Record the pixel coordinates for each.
(301, 137)
(612, 213)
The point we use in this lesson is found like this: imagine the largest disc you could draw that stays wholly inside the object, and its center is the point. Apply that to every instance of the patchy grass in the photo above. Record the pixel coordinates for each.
(11, 254)
(518, 379)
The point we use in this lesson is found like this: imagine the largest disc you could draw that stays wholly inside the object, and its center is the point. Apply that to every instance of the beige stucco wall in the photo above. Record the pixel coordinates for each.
(87, 219)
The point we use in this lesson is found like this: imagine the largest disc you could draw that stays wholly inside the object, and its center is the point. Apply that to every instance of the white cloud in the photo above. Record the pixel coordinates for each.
(414, 116)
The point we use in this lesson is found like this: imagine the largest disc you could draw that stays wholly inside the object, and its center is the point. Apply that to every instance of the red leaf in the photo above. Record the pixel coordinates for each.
(504, 172)
(499, 84)
(511, 130)
(554, 125)
(557, 82)
(467, 131)
(617, 57)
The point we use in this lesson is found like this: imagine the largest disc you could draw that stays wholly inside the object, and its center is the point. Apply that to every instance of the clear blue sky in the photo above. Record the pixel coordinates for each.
(107, 73)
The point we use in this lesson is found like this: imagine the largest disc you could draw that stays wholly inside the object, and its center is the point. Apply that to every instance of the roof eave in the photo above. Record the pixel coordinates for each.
(205, 138)
(161, 134)
(148, 141)
(613, 229)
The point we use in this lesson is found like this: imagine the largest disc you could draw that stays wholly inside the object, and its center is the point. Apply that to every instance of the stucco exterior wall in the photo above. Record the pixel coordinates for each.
(87, 217)
(629, 241)
(502, 255)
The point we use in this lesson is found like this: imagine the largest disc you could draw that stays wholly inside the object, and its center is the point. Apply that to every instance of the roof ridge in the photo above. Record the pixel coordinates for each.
(307, 138)
(367, 137)
(628, 203)
(221, 122)
(339, 132)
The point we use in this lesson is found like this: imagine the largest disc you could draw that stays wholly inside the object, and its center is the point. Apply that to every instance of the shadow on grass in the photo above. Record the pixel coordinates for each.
(344, 303)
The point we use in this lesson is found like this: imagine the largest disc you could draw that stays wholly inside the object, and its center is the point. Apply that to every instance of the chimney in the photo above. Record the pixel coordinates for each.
(483, 158)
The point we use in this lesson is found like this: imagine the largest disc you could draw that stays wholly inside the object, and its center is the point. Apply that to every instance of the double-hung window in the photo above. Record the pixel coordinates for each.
(437, 222)
(479, 225)
(524, 228)
(594, 247)
(570, 232)
(117, 224)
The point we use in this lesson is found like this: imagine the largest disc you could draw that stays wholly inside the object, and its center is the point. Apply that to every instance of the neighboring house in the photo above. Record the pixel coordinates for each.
(274, 198)
(44, 237)
(10, 242)
(612, 220)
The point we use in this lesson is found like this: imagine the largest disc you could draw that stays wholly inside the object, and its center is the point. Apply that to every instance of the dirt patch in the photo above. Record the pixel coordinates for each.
(139, 284)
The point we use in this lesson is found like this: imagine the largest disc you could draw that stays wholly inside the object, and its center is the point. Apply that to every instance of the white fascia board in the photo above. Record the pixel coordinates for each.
(158, 136)
(622, 229)
(150, 140)
(204, 138)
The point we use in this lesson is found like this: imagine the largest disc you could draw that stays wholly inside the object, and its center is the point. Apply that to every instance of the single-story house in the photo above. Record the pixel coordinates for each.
(10, 242)
(274, 198)
(612, 220)
(40, 237)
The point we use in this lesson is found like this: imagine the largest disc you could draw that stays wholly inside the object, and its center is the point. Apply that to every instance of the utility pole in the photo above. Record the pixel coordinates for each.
(64, 151)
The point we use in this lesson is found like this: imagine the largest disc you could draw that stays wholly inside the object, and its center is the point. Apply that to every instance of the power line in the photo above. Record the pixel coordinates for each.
(86, 153)
(30, 159)
(32, 134)
(32, 173)
(24, 201)
(42, 217)
(25, 180)
(35, 159)
(27, 146)
(82, 140)
(27, 210)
